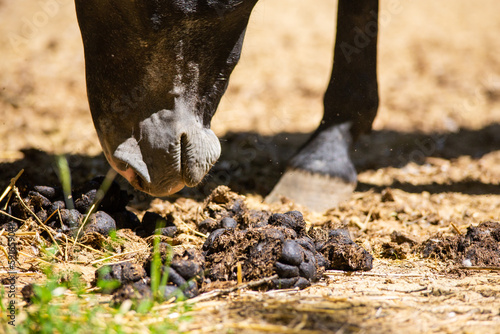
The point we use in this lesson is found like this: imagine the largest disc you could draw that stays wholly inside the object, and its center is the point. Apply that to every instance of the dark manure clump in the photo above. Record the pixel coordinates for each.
(480, 246)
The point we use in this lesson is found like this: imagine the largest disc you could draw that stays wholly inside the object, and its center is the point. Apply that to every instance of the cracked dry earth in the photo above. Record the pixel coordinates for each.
(427, 203)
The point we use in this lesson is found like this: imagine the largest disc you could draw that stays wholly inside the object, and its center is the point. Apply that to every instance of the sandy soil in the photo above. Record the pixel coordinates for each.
(436, 144)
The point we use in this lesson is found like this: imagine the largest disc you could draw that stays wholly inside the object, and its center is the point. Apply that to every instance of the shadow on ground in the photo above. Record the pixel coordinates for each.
(252, 163)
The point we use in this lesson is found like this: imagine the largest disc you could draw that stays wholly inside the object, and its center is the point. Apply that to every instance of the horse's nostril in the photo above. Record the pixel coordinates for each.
(183, 147)
(128, 158)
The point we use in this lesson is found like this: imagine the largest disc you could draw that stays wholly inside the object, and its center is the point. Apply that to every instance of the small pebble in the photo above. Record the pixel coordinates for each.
(307, 270)
(292, 253)
(71, 218)
(169, 231)
(280, 219)
(306, 243)
(286, 271)
(174, 277)
(276, 234)
(84, 203)
(187, 269)
(228, 222)
(207, 226)
(101, 222)
(39, 200)
(292, 220)
(339, 232)
(123, 272)
(237, 206)
(320, 260)
(57, 205)
(302, 283)
(299, 222)
(42, 215)
(285, 283)
(309, 256)
(48, 192)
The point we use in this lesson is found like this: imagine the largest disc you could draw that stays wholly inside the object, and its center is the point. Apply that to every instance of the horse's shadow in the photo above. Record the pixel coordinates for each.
(253, 163)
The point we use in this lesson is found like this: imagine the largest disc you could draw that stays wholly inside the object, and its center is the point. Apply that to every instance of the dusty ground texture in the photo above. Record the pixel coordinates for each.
(435, 144)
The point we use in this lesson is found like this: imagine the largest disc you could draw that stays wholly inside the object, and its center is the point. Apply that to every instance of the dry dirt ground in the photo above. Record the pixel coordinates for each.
(435, 144)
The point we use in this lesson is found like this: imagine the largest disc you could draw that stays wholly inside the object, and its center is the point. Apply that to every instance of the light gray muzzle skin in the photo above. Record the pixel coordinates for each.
(156, 71)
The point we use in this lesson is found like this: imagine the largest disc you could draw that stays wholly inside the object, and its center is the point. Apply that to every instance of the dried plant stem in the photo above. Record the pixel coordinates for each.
(42, 225)
(456, 228)
(10, 187)
(481, 268)
(117, 255)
